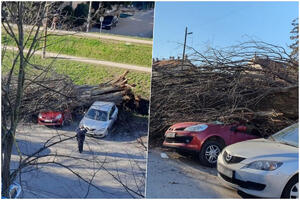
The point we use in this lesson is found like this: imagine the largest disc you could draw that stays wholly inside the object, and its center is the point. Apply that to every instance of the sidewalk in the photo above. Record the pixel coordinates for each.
(89, 60)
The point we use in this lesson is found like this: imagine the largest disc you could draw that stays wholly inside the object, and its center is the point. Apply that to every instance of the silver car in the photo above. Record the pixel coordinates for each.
(100, 118)
(263, 167)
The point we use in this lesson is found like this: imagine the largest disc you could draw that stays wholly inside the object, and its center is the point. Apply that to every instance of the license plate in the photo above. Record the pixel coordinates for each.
(47, 120)
(224, 170)
(171, 135)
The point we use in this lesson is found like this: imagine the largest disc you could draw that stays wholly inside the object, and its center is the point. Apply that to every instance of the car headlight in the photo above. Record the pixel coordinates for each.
(58, 116)
(40, 115)
(265, 165)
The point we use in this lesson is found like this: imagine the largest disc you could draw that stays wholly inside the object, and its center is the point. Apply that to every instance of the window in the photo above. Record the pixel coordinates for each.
(288, 135)
(112, 112)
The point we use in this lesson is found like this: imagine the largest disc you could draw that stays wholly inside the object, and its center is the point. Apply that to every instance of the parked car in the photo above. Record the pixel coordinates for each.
(263, 167)
(55, 118)
(206, 139)
(100, 118)
(108, 22)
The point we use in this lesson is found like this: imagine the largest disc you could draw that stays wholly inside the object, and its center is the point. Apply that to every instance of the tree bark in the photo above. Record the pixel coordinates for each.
(9, 138)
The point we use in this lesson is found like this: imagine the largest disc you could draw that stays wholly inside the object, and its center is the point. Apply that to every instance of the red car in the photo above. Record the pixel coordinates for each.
(54, 118)
(207, 140)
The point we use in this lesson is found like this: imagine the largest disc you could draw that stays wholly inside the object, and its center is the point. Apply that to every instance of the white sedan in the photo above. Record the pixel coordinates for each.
(99, 118)
(263, 167)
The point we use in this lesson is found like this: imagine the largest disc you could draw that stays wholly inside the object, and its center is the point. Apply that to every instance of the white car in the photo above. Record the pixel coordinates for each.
(263, 167)
(99, 118)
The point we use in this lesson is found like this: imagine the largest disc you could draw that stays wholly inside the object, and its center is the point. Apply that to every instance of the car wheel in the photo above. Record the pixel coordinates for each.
(61, 125)
(209, 153)
(291, 190)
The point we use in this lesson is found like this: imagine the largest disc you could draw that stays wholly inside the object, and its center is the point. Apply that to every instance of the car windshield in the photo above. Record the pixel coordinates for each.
(288, 135)
(98, 115)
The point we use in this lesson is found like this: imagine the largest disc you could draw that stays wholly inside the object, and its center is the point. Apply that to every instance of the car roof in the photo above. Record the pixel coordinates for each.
(102, 105)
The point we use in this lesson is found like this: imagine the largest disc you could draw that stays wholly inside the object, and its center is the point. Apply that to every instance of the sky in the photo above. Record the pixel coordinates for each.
(220, 24)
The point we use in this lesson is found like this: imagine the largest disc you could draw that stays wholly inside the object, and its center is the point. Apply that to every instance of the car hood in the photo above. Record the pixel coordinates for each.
(262, 149)
(50, 114)
(183, 125)
(93, 124)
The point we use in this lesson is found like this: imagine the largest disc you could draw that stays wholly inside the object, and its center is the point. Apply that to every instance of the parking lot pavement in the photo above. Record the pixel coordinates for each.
(110, 162)
(139, 25)
(182, 178)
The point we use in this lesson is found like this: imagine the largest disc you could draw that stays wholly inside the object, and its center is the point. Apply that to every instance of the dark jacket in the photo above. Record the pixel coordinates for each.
(80, 134)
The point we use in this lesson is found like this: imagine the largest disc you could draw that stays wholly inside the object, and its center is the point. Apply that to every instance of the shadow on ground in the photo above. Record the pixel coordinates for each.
(44, 184)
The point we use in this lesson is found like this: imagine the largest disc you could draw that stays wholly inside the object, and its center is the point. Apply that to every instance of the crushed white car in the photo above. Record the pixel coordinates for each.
(263, 167)
(99, 118)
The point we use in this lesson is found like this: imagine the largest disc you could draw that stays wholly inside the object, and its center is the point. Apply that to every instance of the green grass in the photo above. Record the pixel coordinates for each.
(115, 51)
(82, 73)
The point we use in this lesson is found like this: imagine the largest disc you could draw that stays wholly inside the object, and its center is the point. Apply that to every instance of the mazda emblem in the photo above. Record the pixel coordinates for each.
(228, 157)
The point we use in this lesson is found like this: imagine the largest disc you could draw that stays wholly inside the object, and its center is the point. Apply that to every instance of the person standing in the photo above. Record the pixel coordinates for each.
(80, 136)
(54, 22)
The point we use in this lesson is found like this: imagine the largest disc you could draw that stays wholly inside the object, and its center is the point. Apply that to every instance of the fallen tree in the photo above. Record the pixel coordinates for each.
(57, 92)
(254, 83)
(28, 88)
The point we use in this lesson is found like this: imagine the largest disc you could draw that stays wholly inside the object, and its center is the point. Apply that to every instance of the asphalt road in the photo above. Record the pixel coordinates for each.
(140, 25)
(111, 163)
(182, 177)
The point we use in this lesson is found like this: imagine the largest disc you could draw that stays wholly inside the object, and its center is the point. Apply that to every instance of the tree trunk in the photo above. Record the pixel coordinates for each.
(9, 138)
(6, 165)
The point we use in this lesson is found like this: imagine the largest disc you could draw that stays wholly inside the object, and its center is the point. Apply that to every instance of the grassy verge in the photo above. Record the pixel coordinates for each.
(115, 51)
(82, 73)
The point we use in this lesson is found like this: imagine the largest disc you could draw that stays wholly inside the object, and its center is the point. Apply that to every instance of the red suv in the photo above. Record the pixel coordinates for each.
(54, 118)
(206, 139)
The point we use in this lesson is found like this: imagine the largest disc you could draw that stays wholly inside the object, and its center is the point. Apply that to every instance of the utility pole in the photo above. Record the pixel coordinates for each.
(184, 45)
(89, 18)
(45, 30)
(183, 57)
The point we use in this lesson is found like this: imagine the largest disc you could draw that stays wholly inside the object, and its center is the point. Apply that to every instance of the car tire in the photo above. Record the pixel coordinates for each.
(209, 152)
(291, 190)
(61, 125)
